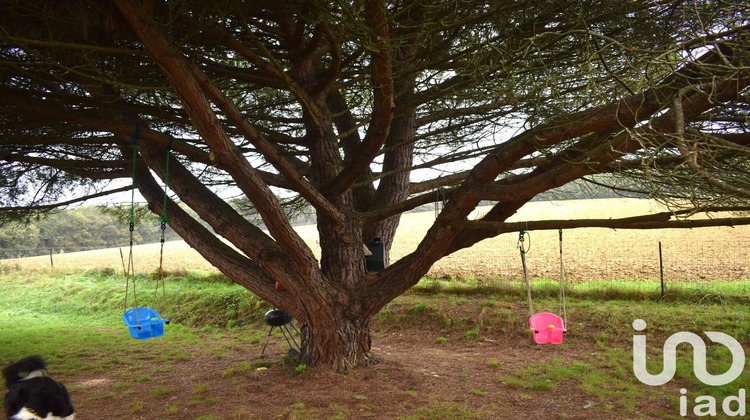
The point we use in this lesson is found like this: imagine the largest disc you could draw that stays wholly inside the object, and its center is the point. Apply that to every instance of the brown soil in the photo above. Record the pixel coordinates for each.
(417, 377)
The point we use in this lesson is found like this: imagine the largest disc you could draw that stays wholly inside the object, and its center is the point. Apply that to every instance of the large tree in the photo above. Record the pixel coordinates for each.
(361, 110)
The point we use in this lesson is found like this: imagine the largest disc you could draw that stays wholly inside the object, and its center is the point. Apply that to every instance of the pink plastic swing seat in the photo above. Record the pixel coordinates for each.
(547, 328)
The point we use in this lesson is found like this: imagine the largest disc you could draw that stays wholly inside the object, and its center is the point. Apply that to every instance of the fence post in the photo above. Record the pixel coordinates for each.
(122, 258)
(661, 271)
(51, 262)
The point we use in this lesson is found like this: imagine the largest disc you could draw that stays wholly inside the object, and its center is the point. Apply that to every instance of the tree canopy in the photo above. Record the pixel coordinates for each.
(362, 110)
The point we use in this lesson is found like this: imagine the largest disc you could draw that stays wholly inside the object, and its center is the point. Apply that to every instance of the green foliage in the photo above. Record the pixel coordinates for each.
(18, 235)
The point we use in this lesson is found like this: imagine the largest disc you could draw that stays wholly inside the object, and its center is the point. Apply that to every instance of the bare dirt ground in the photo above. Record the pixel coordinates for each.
(418, 377)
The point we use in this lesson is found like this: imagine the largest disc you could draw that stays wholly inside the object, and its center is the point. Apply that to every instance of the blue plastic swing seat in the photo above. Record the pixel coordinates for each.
(147, 324)
(547, 328)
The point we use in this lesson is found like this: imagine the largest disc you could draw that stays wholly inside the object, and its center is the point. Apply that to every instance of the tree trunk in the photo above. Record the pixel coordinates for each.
(336, 339)
(399, 157)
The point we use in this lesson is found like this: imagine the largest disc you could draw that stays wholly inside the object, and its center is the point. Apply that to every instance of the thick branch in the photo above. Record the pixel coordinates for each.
(447, 234)
(64, 203)
(268, 150)
(182, 76)
(651, 221)
(222, 256)
(225, 221)
(383, 101)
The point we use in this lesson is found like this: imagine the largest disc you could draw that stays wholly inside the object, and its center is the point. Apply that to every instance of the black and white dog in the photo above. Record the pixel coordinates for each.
(35, 396)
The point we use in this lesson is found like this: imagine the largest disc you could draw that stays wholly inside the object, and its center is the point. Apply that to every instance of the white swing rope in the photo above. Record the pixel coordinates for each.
(521, 238)
(562, 282)
(563, 309)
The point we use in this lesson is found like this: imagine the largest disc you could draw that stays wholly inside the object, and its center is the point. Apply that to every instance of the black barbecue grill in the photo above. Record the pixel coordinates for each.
(277, 318)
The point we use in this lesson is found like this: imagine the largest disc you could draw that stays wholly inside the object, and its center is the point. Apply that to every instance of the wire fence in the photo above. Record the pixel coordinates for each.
(695, 256)
(178, 257)
(698, 256)
(17, 253)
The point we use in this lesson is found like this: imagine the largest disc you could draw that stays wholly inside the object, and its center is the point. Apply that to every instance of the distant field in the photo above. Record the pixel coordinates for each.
(721, 253)
(593, 253)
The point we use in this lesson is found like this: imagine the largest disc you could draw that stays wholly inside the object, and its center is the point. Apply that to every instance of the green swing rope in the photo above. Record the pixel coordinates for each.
(164, 221)
(130, 271)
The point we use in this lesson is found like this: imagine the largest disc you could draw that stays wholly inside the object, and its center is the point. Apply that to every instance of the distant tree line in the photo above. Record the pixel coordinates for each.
(79, 229)
(588, 188)
(96, 227)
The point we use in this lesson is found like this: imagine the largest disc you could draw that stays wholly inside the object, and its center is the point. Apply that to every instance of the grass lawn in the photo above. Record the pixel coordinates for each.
(448, 349)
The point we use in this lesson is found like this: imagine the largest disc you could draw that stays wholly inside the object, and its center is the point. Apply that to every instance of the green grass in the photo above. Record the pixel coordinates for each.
(607, 374)
(607, 309)
(705, 292)
(161, 391)
(300, 412)
(300, 369)
(419, 309)
(193, 300)
(494, 363)
(443, 410)
(74, 319)
(472, 334)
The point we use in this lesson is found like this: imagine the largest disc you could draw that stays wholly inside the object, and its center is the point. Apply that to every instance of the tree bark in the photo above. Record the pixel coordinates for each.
(336, 339)
(398, 159)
